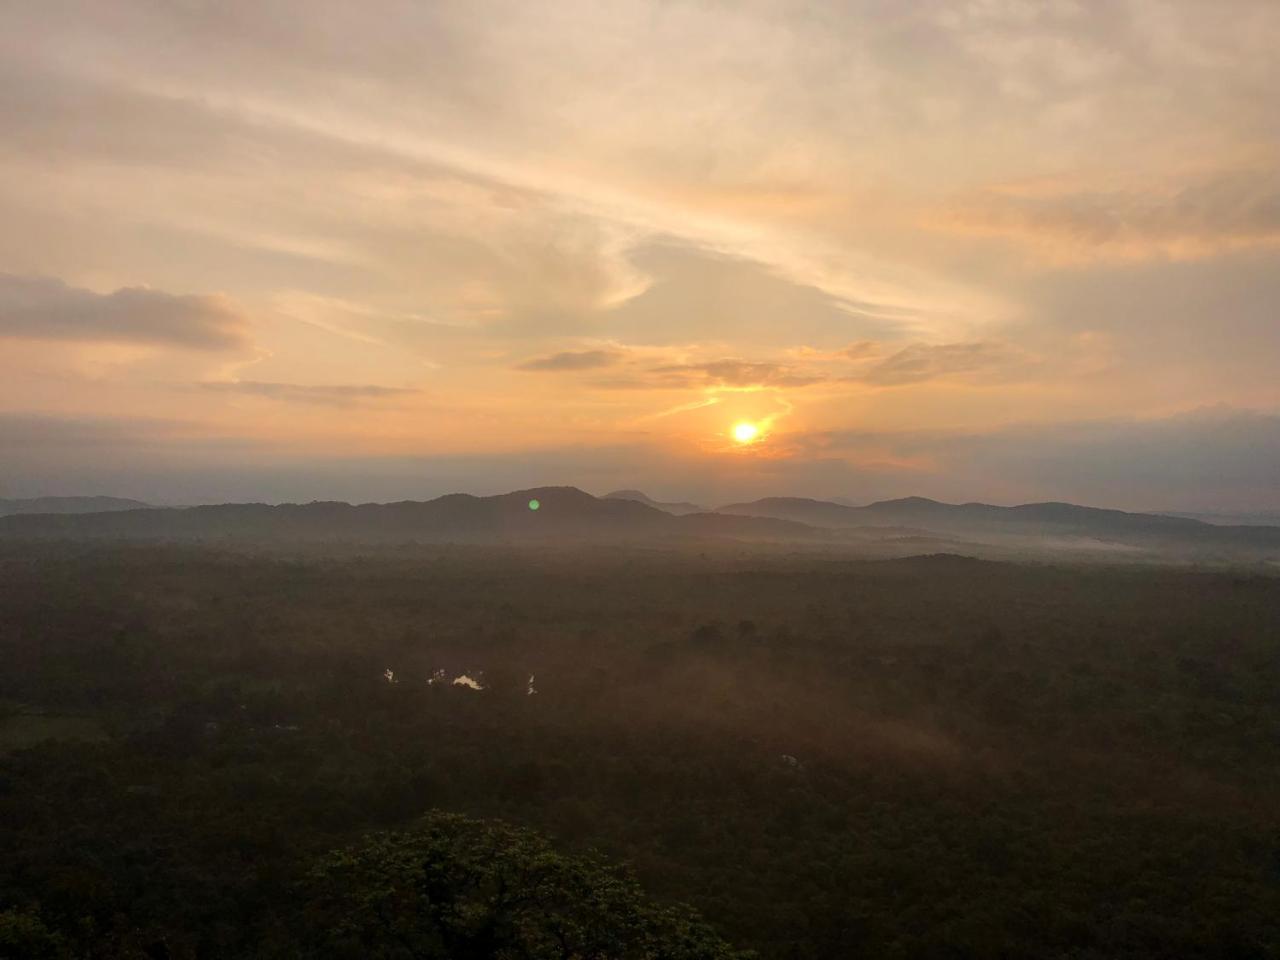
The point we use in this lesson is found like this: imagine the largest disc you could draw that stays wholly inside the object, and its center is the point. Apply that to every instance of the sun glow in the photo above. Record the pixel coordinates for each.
(745, 432)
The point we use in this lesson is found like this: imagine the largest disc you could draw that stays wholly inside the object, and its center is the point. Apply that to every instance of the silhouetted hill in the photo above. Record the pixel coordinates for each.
(69, 505)
(1246, 518)
(678, 508)
(561, 513)
(921, 510)
(569, 514)
(939, 562)
(818, 513)
(1041, 520)
(764, 528)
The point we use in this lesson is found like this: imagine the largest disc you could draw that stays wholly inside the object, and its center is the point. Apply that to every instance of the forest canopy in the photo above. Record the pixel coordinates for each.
(928, 757)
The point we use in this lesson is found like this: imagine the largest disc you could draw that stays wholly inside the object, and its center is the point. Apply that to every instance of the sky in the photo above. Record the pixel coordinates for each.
(993, 250)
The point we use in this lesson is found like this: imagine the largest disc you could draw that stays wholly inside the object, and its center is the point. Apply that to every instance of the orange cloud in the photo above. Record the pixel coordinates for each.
(1202, 217)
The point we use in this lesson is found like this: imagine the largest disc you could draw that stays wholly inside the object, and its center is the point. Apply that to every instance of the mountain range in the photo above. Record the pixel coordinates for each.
(69, 505)
(567, 513)
(1028, 520)
(541, 513)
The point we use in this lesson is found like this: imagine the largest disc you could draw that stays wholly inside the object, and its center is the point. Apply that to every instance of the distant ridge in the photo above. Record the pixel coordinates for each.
(1028, 519)
(917, 510)
(560, 513)
(69, 505)
(568, 514)
(678, 508)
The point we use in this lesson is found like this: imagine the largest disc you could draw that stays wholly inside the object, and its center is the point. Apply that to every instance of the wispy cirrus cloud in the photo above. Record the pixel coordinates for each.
(573, 360)
(1194, 218)
(640, 373)
(861, 350)
(329, 394)
(868, 362)
(924, 362)
(732, 372)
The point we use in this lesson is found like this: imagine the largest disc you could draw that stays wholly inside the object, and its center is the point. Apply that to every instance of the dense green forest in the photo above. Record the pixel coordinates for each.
(214, 753)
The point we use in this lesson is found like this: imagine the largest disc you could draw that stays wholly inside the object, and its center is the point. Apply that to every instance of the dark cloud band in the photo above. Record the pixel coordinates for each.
(45, 308)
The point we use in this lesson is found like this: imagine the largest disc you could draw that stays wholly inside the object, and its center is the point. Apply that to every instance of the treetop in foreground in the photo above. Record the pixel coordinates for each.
(466, 889)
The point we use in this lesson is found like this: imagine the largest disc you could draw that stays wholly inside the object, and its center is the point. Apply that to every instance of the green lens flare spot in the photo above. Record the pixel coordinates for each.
(534, 504)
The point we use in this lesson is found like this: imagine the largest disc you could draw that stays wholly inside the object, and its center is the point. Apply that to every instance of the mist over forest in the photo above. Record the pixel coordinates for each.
(234, 731)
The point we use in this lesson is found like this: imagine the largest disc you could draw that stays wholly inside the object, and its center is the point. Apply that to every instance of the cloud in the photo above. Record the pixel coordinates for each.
(922, 362)
(912, 364)
(729, 372)
(716, 297)
(1200, 217)
(336, 394)
(45, 308)
(573, 360)
(736, 373)
(861, 350)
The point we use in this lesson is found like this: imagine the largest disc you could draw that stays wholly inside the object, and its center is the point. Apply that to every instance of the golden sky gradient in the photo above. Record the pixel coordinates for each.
(995, 250)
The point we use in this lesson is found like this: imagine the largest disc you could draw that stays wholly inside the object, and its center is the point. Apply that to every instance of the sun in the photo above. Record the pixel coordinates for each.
(745, 432)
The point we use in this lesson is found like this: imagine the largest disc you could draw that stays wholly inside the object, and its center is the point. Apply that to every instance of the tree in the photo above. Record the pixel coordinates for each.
(23, 934)
(484, 890)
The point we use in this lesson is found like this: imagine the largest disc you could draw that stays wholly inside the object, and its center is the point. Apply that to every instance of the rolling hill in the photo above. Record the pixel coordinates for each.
(69, 505)
(1030, 520)
(560, 513)
(678, 508)
(569, 514)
